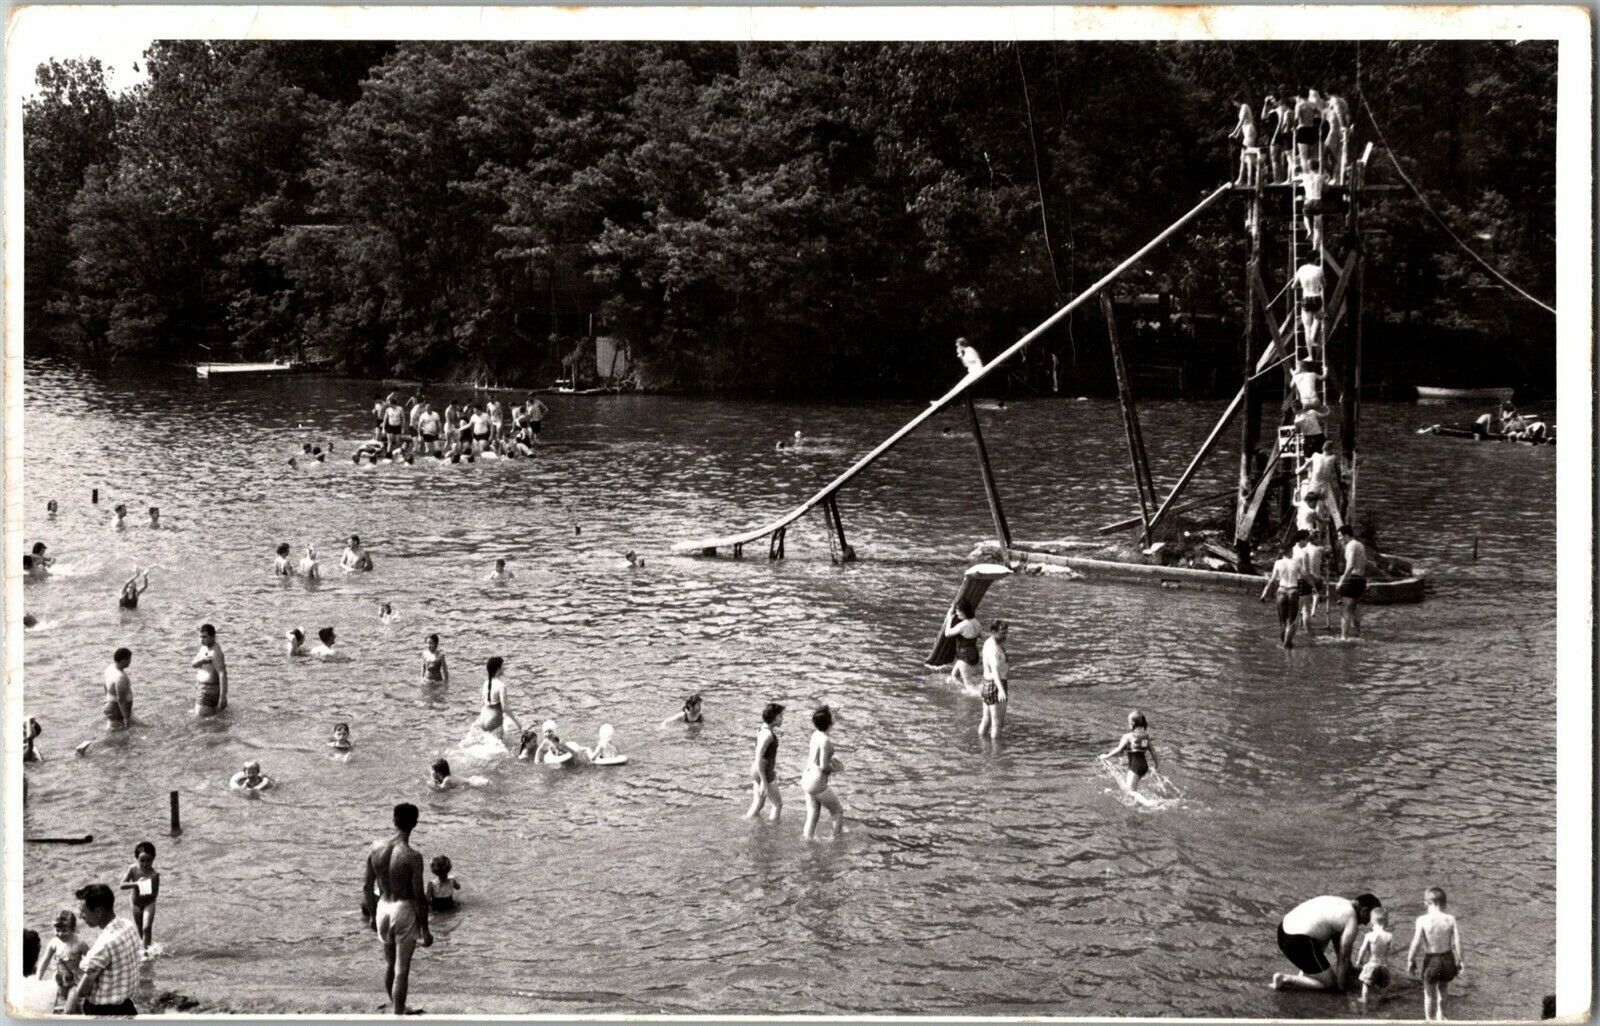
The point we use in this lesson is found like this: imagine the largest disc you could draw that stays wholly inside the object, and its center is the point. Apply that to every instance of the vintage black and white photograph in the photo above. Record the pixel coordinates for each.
(974, 512)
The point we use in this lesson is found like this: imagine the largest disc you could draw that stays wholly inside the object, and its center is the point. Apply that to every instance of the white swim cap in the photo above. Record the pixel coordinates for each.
(549, 726)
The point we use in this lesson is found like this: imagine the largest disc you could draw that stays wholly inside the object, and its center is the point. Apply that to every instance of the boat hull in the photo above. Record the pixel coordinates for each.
(1440, 395)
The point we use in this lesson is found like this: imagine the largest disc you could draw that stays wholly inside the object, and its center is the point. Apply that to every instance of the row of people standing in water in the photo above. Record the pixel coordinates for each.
(418, 428)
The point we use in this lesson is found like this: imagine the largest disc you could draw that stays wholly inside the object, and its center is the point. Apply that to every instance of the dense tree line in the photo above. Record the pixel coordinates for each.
(746, 216)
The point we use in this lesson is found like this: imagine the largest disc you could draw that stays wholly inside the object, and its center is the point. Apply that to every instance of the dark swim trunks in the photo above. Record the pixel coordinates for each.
(990, 693)
(1353, 587)
(1288, 605)
(1439, 967)
(1306, 135)
(1304, 953)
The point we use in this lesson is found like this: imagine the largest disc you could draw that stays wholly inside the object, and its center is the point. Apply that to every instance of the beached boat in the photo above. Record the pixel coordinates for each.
(1427, 393)
(206, 370)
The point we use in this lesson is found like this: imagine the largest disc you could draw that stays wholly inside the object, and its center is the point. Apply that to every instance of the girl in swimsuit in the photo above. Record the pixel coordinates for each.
(282, 567)
(492, 718)
(434, 670)
(1136, 743)
(145, 883)
(764, 770)
(690, 713)
(967, 631)
(211, 675)
(820, 766)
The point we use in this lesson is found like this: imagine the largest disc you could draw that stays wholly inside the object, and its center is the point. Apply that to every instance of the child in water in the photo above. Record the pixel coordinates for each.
(690, 713)
(66, 950)
(441, 779)
(500, 572)
(441, 888)
(550, 744)
(1136, 743)
(386, 612)
(1438, 940)
(281, 567)
(296, 639)
(120, 523)
(308, 565)
(145, 883)
(764, 769)
(603, 748)
(30, 730)
(341, 738)
(250, 779)
(1373, 955)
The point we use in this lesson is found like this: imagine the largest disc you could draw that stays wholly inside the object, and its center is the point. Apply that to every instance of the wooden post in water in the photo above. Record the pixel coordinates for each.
(172, 803)
(1130, 420)
(1002, 530)
(1250, 427)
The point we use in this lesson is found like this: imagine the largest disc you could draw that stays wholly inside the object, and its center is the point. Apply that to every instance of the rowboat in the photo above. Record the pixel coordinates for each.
(1442, 395)
(206, 370)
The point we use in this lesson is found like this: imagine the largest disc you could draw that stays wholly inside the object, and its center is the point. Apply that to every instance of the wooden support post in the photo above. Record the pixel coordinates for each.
(774, 544)
(1130, 420)
(172, 804)
(830, 512)
(1002, 530)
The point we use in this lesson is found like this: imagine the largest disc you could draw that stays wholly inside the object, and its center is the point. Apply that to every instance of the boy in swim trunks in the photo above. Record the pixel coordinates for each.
(341, 738)
(393, 903)
(1373, 956)
(118, 691)
(1286, 576)
(1438, 938)
(996, 674)
(1352, 583)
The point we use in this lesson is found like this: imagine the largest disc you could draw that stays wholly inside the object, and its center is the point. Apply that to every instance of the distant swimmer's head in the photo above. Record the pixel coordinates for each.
(39, 548)
(144, 853)
(326, 636)
(341, 730)
(964, 610)
(499, 565)
(121, 509)
(51, 507)
(441, 769)
(961, 343)
(355, 541)
(29, 620)
(283, 548)
(1380, 917)
(797, 436)
(692, 703)
(296, 635)
(822, 719)
(772, 715)
(999, 628)
(385, 609)
(548, 728)
(1345, 531)
(405, 816)
(33, 728)
(252, 769)
(433, 643)
(1365, 903)
(493, 666)
(306, 448)
(66, 923)
(1433, 896)
(1136, 721)
(208, 633)
(122, 657)
(441, 866)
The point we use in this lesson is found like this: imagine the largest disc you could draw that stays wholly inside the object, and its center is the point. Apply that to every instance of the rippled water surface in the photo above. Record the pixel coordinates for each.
(971, 881)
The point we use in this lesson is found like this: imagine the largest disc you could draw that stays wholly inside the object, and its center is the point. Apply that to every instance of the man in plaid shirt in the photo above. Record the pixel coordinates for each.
(111, 968)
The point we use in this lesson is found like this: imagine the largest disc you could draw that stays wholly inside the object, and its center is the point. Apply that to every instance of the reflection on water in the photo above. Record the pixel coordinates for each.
(971, 882)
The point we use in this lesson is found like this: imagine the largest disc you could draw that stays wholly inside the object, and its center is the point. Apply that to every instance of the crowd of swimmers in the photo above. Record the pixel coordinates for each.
(1308, 134)
(1507, 423)
(417, 428)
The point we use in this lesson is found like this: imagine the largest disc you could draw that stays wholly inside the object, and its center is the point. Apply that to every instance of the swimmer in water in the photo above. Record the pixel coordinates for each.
(441, 780)
(30, 731)
(308, 565)
(341, 738)
(552, 745)
(250, 778)
(968, 632)
(634, 559)
(385, 612)
(496, 711)
(820, 767)
(211, 674)
(39, 557)
(296, 638)
(790, 444)
(155, 518)
(764, 768)
(132, 589)
(1141, 753)
(118, 691)
(440, 889)
(282, 567)
(121, 512)
(603, 748)
(355, 557)
(29, 621)
(434, 668)
(324, 649)
(51, 509)
(690, 713)
(500, 573)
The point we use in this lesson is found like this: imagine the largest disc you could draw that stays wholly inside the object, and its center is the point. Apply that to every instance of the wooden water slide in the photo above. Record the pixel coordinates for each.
(775, 528)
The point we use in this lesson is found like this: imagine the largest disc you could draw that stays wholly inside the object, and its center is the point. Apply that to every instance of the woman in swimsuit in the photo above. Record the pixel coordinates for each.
(690, 713)
(211, 675)
(1136, 743)
(492, 719)
(434, 670)
(820, 766)
(967, 631)
(764, 770)
(282, 567)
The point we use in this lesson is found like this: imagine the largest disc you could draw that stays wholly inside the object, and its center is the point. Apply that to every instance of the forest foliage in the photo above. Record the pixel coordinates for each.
(747, 217)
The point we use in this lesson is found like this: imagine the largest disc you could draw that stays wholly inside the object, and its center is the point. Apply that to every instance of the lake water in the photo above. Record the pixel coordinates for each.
(971, 882)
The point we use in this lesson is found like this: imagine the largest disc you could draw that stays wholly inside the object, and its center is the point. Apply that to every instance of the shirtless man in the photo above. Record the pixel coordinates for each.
(1352, 583)
(1305, 932)
(1322, 475)
(430, 426)
(394, 424)
(393, 903)
(1278, 137)
(1307, 109)
(119, 691)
